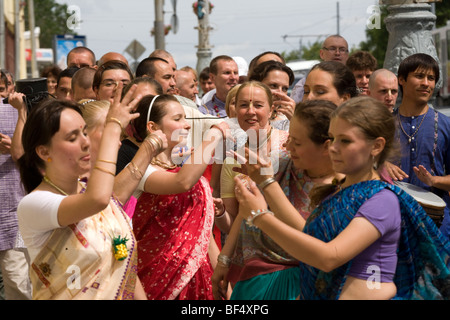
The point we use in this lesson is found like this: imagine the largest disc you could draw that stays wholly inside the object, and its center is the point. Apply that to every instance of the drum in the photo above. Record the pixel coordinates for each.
(432, 204)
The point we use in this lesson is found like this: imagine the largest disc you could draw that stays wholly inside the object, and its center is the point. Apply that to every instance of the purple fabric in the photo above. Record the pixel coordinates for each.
(11, 191)
(380, 258)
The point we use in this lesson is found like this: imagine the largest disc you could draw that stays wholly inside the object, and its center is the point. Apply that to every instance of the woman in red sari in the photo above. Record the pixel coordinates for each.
(174, 214)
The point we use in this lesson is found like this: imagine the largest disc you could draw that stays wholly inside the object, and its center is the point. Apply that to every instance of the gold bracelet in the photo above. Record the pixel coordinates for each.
(116, 121)
(155, 141)
(107, 161)
(105, 171)
(134, 170)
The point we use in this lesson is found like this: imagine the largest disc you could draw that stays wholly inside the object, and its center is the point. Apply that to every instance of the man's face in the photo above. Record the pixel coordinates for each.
(385, 89)
(165, 76)
(227, 75)
(11, 86)
(3, 89)
(64, 89)
(206, 85)
(362, 80)
(419, 85)
(186, 84)
(80, 60)
(334, 49)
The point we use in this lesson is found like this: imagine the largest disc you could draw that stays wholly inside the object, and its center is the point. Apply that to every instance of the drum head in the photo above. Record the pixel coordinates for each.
(424, 197)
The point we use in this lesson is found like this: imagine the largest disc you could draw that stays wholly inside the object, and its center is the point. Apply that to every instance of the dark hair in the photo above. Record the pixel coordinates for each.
(414, 62)
(316, 114)
(52, 70)
(155, 84)
(4, 79)
(253, 63)
(204, 74)
(42, 124)
(262, 70)
(156, 114)
(147, 67)
(361, 60)
(343, 78)
(67, 73)
(110, 65)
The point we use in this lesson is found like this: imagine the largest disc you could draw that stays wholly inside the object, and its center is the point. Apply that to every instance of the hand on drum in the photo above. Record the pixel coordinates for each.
(423, 175)
(395, 172)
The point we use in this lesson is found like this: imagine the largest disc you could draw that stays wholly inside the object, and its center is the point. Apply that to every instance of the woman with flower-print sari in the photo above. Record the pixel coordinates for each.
(79, 239)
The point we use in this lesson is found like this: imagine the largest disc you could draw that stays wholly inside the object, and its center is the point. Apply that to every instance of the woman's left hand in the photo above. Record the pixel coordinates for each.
(283, 104)
(249, 198)
(122, 109)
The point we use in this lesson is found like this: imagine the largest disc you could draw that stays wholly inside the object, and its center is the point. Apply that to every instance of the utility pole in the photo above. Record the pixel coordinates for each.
(2, 34)
(204, 48)
(338, 18)
(17, 38)
(34, 69)
(159, 25)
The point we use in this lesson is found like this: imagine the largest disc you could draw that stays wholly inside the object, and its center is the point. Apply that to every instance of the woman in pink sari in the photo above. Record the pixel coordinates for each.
(174, 214)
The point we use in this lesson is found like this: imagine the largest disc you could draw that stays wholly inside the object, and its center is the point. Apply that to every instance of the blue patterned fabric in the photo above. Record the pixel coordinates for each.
(423, 255)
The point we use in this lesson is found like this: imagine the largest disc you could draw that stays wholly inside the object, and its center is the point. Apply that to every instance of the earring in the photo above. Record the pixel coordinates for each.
(49, 159)
(375, 164)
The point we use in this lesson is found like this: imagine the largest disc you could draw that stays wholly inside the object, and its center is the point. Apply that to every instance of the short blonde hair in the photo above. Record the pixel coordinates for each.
(94, 111)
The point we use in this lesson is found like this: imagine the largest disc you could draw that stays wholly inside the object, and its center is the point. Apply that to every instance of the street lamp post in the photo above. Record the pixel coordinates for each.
(202, 10)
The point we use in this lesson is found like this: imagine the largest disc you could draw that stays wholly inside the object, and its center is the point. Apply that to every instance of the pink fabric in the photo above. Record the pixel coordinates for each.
(129, 206)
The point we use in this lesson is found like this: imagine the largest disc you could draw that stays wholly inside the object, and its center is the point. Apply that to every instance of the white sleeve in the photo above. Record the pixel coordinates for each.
(141, 186)
(37, 214)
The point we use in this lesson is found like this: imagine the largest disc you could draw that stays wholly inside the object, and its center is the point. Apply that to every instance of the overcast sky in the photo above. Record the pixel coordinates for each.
(240, 27)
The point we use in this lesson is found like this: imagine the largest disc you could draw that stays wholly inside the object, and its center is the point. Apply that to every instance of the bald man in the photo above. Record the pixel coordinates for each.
(334, 48)
(383, 86)
(186, 84)
(82, 84)
(112, 56)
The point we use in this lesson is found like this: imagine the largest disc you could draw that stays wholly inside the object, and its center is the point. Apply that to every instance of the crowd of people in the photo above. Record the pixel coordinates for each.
(165, 184)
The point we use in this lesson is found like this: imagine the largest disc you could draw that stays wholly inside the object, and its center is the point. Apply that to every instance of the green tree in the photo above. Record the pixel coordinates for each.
(309, 52)
(442, 13)
(290, 56)
(51, 17)
(377, 39)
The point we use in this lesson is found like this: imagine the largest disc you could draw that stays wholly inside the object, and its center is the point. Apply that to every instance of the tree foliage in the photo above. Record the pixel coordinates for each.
(376, 39)
(442, 13)
(51, 17)
(309, 52)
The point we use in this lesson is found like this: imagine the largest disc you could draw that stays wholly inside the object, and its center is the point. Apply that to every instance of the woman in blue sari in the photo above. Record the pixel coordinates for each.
(367, 239)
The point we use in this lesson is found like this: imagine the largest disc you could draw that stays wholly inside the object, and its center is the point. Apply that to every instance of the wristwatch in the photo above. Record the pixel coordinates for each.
(256, 213)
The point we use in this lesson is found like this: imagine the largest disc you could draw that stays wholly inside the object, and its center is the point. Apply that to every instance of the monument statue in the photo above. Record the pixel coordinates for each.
(409, 24)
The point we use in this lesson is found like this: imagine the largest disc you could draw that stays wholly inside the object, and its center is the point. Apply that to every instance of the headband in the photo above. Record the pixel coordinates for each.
(150, 108)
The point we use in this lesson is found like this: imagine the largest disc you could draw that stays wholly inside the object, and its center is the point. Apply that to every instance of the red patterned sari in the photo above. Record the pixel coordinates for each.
(173, 234)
